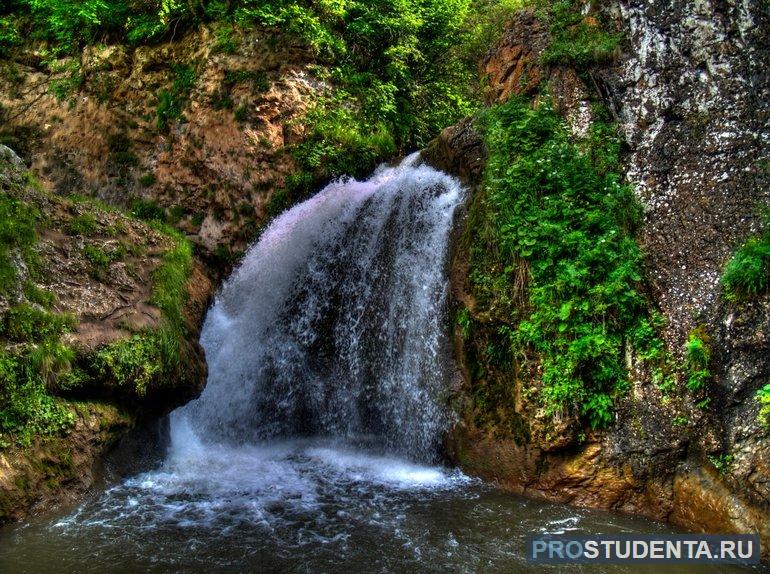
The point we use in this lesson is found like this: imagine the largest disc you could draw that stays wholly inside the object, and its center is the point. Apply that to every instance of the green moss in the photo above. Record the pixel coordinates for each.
(17, 237)
(42, 297)
(27, 323)
(100, 259)
(763, 397)
(170, 278)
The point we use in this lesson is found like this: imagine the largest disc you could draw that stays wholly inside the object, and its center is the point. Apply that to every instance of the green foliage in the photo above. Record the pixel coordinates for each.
(172, 101)
(484, 26)
(36, 364)
(748, 272)
(562, 223)
(721, 462)
(99, 259)
(241, 113)
(225, 40)
(152, 357)
(17, 237)
(139, 362)
(147, 210)
(68, 81)
(339, 143)
(27, 323)
(257, 80)
(464, 322)
(121, 154)
(147, 179)
(39, 296)
(575, 39)
(763, 396)
(9, 35)
(276, 204)
(698, 357)
(84, 224)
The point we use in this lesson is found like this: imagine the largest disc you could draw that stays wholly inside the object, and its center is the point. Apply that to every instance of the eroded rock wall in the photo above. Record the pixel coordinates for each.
(214, 167)
(688, 87)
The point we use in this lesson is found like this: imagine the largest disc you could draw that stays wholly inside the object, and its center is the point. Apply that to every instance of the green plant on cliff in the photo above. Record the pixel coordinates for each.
(748, 272)
(172, 101)
(32, 362)
(763, 397)
(17, 238)
(152, 357)
(698, 356)
(561, 216)
(576, 39)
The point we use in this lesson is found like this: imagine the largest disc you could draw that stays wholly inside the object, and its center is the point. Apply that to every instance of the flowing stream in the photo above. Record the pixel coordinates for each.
(316, 445)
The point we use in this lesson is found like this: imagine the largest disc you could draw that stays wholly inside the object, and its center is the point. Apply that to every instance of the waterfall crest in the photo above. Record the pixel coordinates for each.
(334, 324)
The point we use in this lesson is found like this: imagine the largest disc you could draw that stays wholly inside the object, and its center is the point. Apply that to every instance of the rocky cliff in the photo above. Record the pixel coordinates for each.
(195, 128)
(687, 85)
(99, 318)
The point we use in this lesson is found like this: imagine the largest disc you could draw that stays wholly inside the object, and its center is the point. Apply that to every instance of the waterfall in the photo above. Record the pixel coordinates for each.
(334, 324)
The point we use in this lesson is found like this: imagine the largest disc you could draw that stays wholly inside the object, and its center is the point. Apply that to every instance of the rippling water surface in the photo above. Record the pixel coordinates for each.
(302, 506)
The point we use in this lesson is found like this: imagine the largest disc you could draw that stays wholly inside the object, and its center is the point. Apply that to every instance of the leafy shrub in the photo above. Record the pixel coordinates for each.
(748, 272)
(138, 362)
(9, 35)
(37, 363)
(562, 221)
(339, 143)
(722, 462)
(575, 39)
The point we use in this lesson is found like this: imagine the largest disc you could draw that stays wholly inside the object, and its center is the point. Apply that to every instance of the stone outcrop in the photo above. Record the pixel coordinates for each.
(214, 168)
(109, 301)
(689, 91)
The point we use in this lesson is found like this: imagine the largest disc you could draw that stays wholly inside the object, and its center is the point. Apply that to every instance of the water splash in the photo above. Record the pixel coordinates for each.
(334, 323)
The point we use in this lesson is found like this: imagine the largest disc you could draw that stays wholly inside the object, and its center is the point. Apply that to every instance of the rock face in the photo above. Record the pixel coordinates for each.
(214, 167)
(689, 90)
(97, 265)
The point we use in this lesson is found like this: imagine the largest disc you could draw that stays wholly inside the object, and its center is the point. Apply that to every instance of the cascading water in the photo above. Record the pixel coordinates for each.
(313, 446)
(334, 322)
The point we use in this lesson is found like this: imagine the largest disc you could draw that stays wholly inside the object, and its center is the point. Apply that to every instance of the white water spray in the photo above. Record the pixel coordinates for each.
(334, 323)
